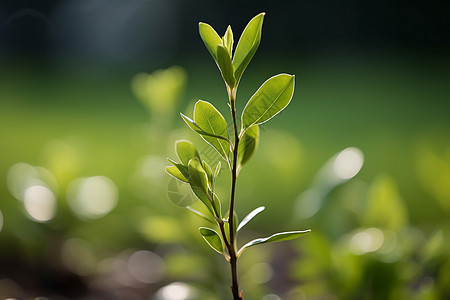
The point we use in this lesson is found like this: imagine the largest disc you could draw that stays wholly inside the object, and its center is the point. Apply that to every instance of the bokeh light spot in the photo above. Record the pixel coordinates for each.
(92, 197)
(308, 203)
(369, 240)
(271, 297)
(146, 267)
(348, 163)
(21, 176)
(175, 291)
(261, 273)
(40, 203)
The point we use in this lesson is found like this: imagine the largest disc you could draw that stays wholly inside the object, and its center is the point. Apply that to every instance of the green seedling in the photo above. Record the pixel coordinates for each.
(236, 147)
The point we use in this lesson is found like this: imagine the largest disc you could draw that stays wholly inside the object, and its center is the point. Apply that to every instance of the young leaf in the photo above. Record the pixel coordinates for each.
(198, 176)
(216, 172)
(208, 171)
(277, 237)
(250, 216)
(186, 151)
(175, 173)
(218, 205)
(211, 125)
(200, 131)
(247, 45)
(183, 169)
(203, 197)
(248, 145)
(271, 98)
(228, 40)
(210, 38)
(201, 215)
(225, 65)
(199, 185)
(212, 238)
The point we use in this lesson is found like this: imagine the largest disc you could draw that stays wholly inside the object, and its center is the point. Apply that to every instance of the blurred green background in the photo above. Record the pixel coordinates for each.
(361, 156)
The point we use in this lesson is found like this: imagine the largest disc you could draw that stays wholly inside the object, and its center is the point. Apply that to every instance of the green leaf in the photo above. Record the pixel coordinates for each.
(216, 172)
(200, 131)
(201, 215)
(248, 145)
(247, 45)
(218, 205)
(183, 169)
(228, 40)
(199, 185)
(250, 216)
(198, 176)
(271, 98)
(277, 237)
(208, 171)
(211, 125)
(212, 238)
(203, 197)
(175, 173)
(225, 65)
(186, 151)
(210, 38)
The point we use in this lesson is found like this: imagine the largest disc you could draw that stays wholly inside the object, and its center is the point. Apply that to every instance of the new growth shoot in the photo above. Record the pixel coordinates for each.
(235, 147)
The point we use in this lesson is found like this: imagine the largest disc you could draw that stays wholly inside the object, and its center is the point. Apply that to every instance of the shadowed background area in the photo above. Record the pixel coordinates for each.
(361, 155)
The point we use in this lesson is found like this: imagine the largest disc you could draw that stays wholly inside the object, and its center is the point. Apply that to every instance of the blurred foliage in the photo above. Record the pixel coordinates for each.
(379, 213)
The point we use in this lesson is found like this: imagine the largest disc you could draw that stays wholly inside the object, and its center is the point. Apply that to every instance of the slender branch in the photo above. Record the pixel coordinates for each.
(232, 249)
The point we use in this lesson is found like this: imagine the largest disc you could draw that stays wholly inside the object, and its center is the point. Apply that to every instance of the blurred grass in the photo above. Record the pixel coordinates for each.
(389, 106)
(381, 104)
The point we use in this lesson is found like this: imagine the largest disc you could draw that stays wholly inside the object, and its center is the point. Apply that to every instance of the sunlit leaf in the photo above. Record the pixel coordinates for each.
(247, 45)
(175, 173)
(186, 151)
(208, 171)
(212, 238)
(210, 38)
(202, 195)
(218, 205)
(248, 145)
(198, 176)
(199, 185)
(250, 216)
(183, 169)
(201, 215)
(277, 237)
(217, 171)
(228, 40)
(211, 125)
(271, 98)
(225, 65)
(200, 131)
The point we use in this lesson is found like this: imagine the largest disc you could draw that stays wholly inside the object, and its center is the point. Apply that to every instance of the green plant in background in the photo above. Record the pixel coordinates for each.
(237, 147)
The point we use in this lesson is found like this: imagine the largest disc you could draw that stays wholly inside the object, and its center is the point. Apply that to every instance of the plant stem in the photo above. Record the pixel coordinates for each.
(232, 248)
